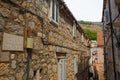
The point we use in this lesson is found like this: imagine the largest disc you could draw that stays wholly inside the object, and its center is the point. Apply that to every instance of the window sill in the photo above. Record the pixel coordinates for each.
(54, 22)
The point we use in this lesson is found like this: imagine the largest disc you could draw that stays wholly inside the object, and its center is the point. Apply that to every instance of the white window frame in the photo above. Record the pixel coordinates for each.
(74, 29)
(62, 69)
(83, 38)
(54, 11)
(75, 67)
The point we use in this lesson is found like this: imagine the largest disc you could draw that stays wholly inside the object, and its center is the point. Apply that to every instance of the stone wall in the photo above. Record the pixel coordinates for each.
(101, 63)
(19, 18)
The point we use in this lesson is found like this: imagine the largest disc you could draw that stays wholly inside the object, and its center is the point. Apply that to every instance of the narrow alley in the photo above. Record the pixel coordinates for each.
(43, 40)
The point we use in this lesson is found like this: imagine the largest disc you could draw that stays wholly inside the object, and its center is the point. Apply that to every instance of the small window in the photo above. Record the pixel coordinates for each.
(74, 30)
(62, 69)
(82, 38)
(54, 11)
(106, 16)
(75, 67)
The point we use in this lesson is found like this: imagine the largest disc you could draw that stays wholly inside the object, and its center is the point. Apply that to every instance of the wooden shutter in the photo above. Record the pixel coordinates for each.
(62, 69)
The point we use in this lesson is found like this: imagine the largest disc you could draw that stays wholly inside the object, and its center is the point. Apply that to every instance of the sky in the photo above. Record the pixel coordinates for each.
(86, 10)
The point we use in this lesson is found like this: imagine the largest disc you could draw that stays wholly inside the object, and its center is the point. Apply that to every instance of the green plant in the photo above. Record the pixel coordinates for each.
(91, 34)
(85, 22)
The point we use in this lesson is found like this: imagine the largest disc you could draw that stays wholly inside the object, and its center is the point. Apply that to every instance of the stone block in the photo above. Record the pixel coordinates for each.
(4, 56)
(31, 25)
(12, 42)
(45, 10)
(21, 18)
(12, 56)
(13, 64)
(3, 78)
(19, 75)
(35, 56)
(5, 12)
(4, 69)
(38, 43)
(31, 73)
(1, 28)
(12, 78)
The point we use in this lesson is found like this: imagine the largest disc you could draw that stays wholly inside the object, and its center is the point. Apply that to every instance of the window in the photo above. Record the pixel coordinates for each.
(54, 11)
(82, 38)
(75, 67)
(106, 16)
(62, 69)
(74, 30)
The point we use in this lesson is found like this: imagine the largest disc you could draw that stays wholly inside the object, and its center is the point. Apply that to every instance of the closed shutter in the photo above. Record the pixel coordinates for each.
(62, 69)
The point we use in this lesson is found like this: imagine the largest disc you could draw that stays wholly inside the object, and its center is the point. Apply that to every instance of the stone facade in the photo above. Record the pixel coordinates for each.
(101, 63)
(112, 66)
(51, 42)
(100, 44)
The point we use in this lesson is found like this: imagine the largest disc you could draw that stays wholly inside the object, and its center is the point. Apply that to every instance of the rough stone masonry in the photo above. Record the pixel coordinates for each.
(51, 42)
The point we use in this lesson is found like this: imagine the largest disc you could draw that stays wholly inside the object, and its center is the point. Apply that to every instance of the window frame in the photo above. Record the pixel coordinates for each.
(74, 29)
(83, 39)
(62, 69)
(54, 11)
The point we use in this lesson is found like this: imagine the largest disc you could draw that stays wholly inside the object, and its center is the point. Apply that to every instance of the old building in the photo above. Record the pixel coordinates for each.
(100, 46)
(111, 19)
(42, 40)
(93, 47)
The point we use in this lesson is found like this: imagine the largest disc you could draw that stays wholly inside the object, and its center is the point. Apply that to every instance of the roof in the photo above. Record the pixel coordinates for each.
(100, 39)
(71, 15)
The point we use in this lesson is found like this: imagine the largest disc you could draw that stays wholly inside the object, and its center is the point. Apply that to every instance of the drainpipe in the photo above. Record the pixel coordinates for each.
(29, 43)
(112, 31)
(29, 55)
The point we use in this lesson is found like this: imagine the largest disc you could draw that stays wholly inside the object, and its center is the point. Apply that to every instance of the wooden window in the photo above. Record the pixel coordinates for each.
(83, 38)
(62, 69)
(54, 11)
(106, 16)
(74, 29)
(75, 67)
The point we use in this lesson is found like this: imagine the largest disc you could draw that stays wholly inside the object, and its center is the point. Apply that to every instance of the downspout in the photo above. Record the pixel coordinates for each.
(112, 31)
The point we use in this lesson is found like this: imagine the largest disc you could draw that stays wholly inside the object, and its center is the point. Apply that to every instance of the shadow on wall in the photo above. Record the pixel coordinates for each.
(82, 68)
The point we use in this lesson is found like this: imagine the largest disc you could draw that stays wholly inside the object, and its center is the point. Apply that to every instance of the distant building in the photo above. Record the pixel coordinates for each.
(93, 43)
(93, 47)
